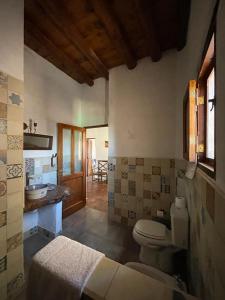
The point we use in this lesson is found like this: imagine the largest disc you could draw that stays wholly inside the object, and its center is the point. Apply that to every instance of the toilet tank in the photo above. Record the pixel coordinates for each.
(179, 226)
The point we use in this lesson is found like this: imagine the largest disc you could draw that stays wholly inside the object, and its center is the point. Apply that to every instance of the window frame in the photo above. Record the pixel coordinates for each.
(198, 118)
(206, 164)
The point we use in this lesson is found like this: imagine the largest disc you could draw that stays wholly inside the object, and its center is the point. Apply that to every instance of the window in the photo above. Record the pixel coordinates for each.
(210, 117)
(199, 111)
(206, 106)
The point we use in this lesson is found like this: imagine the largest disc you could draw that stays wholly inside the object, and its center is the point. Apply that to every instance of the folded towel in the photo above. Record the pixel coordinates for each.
(61, 269)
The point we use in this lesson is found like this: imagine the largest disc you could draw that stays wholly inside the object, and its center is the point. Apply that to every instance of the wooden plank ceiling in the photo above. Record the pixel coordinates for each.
(86, 38)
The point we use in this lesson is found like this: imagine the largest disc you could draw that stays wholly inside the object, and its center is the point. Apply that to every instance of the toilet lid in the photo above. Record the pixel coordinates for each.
(151, 229)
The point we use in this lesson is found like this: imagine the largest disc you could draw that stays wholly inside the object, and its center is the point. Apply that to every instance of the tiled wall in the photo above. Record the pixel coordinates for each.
(11, 185)
(137, 187)
(41, 170)
(206, 205)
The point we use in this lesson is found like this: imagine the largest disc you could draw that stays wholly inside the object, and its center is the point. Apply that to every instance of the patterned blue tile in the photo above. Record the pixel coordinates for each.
(29, 165)
(131, 168)
(3, 264)
(3, 188)
(14, 171)
(111, 197)
(3, 218)
(3, 126)
(111, 167)
(15, 284)
(131, 214)
(15, 142)
(3, 157)
(3, 79)
(15, 98)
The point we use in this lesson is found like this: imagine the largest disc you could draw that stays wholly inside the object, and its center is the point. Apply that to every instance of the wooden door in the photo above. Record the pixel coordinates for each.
(72, 166)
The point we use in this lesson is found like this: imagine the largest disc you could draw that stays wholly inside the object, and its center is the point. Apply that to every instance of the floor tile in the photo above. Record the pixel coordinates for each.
(92, 228)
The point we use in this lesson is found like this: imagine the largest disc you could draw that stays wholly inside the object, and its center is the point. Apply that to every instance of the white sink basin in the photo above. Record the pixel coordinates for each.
(36, 191)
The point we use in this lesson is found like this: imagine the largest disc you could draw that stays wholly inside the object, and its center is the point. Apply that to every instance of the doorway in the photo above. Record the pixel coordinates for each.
(97, 167)
(72, 166)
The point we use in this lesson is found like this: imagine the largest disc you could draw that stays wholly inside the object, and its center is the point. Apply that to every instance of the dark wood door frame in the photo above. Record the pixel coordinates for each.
(96, 126)
(90, 127)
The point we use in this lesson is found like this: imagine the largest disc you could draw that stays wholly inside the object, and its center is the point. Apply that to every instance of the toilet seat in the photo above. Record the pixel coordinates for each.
(151, 229)
(152, 234)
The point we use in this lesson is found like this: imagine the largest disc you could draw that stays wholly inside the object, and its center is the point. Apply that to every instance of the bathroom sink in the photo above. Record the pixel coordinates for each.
(36, 191)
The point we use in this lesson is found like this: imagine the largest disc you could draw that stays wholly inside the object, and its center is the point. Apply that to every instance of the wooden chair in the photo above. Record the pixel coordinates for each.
(99, 170)
(103, 170)
(94, 170)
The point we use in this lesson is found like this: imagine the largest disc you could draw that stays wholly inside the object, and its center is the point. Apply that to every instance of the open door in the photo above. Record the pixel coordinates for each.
(72, 166)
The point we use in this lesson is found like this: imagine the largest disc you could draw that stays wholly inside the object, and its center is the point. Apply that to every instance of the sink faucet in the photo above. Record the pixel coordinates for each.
(27, 179)
(34, 177)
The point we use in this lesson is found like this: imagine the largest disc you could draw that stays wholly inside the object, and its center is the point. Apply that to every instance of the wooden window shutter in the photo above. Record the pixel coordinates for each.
(189, 122)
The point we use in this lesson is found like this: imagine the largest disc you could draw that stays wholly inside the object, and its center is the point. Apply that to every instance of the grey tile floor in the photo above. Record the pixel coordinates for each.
(90, 227)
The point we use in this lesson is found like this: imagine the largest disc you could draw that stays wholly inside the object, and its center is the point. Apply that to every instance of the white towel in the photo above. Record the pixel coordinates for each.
(61, 269)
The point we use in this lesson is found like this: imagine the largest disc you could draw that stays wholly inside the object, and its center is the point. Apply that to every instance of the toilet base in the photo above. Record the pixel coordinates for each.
(161, 259)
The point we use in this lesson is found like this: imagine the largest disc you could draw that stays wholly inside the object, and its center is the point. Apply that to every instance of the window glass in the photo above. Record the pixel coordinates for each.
(78, 151)
(210, 116)
(66, 151)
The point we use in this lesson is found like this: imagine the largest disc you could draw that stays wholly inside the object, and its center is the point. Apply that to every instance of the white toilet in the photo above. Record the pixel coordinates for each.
(158, 244)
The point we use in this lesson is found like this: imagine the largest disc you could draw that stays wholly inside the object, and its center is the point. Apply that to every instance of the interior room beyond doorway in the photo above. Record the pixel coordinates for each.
(97, 167)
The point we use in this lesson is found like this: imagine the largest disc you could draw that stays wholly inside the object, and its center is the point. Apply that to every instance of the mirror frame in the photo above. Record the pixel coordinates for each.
(49, 137)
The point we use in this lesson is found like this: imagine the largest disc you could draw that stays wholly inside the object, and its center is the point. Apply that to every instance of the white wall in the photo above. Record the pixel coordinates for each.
(51, 97)
(142, 109)
(93, 105)
(11, 33)
(100, 135)
(188, 64)
(30, 220)
(48, 217)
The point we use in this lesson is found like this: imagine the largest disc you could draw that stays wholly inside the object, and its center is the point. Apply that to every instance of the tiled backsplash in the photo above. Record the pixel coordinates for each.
(137, 187)
(11, 185)
(40, 169)
(206, 263)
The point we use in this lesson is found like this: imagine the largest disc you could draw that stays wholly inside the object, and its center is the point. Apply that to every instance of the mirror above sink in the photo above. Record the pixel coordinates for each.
(33, 141)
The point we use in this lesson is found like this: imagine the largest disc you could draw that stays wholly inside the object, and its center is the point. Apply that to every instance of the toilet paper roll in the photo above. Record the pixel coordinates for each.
(180, 202)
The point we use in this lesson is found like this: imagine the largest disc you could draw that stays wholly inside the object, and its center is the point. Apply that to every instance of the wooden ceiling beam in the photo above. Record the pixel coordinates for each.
(105, 14)
(65, 23)
(32, 34)
(148, 28)
(184, 7)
